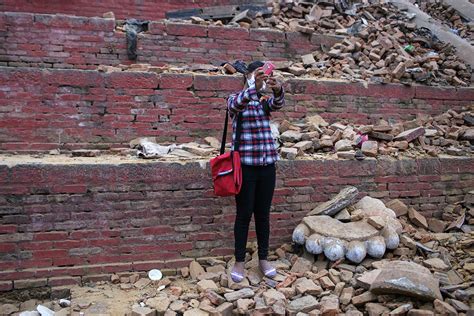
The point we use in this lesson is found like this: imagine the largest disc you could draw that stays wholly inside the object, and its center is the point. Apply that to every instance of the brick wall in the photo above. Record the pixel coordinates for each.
(143, 9)
(69, 109)
(77, 219)
(49, 41)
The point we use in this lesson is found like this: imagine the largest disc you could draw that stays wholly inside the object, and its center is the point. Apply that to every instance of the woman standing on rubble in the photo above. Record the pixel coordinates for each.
(258, 156)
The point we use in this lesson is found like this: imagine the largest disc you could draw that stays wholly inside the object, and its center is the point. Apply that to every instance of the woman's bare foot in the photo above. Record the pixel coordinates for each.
(238, 271)
(267, 269)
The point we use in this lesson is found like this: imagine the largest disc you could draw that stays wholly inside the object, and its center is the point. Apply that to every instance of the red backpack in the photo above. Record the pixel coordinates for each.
(226, 169)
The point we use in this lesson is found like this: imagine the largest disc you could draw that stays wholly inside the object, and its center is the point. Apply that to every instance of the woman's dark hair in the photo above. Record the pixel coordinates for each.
(254, 65)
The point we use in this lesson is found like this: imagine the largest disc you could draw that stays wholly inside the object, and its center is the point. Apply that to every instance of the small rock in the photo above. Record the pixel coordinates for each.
(436, 264)
(204, 285)
(411, 134)
(195, 269)
(326, 283)
(302, 146)
(272, 296)
(307, 286)
(370, 148)
(225, 309)
(443, 308)
(436, 225)
(346, 154)
(401, 310)
(289, 153)
(458, 305)
(214, 297)
(364, 298)
(376, 309)
(303, 304)
(142, 283)
(185, 272)
(143, 311)
(301, 265)
(343, 145)
(376, 221)
(178, 306)
(398, 207)
(346, 295)
(329, 305)
(367, 278)
(291, 136)
(159, 303)
(420, 312)
(195, 312)
(243, 293)
(417, 219)
(244, 304)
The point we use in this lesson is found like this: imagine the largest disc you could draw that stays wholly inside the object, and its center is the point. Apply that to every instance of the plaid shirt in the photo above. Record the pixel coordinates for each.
(257, 147)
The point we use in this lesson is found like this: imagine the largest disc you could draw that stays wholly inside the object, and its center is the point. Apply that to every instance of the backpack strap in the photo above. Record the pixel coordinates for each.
(237, 133)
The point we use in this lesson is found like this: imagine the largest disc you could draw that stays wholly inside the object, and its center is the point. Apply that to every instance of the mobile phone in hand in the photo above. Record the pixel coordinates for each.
(268, 68)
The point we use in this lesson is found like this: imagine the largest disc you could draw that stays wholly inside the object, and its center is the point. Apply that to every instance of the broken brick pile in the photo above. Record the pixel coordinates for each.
(450, 17)
(381, 43)
(450, 133)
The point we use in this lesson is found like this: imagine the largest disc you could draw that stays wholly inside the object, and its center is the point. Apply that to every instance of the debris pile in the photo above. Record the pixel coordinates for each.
(450, 17)
(381, 43)
(450, 133)
(430, 273)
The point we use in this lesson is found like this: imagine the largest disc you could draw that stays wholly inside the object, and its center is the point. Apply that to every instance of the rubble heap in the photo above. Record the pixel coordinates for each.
(450, 133)
(450, 17)
(430, 273)
(381, 43)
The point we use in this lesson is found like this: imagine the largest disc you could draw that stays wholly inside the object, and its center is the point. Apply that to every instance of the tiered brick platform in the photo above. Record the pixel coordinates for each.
(63, 219)
(71, 109)
(67, 220)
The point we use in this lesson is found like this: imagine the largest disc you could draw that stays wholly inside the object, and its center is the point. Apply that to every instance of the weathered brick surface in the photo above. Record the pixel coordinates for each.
(68, 109)
(145, 9)
(160, 215)
(60, 41)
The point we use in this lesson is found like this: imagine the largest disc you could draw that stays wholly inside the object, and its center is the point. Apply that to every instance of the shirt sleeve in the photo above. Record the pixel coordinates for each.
(237, 102)
(277, 102)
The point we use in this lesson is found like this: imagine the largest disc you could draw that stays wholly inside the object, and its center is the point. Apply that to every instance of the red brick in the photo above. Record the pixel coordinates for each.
(228, 33)
(133, 80)
(267, 35)
(186, 29)
(50, 236)
(220, 83)
(5, 229)
(176, 81)
(62, 281)
(6, 286)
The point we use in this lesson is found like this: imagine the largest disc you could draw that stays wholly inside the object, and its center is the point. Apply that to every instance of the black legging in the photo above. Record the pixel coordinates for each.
(255, 197)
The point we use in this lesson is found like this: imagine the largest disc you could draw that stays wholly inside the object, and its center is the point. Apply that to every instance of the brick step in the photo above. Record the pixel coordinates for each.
(145, 9)
(112, 213)
(62, 41)
(69, 109)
